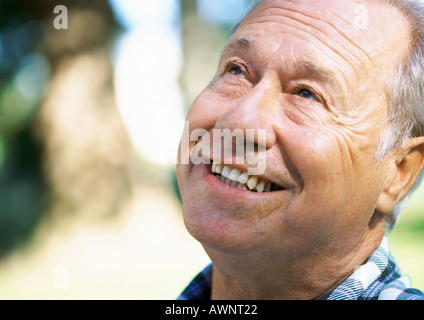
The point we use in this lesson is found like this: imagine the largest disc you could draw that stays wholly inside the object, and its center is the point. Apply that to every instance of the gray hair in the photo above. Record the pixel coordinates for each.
(404, 92)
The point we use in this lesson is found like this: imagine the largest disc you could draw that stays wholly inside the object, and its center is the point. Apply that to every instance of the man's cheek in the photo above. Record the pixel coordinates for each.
(314, 154)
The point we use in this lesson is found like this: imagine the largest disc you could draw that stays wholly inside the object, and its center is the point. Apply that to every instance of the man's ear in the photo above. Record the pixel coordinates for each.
(403, 169)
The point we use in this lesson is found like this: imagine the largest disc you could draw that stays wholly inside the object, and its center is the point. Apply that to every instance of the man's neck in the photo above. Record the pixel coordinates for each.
(241, 277)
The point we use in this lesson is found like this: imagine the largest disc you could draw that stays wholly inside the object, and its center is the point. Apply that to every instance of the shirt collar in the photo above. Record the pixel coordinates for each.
(368, 279)
(200, 287)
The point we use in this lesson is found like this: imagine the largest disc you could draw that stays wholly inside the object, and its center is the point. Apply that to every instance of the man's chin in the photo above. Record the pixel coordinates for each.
(222, 236)
(221, 229)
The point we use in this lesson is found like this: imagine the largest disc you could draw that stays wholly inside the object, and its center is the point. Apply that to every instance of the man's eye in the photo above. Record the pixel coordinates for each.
(307, 94)
(236, 71)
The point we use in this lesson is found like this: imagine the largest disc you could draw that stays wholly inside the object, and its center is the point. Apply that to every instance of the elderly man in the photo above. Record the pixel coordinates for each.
(341, 101)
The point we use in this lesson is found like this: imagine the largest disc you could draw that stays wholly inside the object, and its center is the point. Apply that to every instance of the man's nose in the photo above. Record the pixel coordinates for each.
(255, 111)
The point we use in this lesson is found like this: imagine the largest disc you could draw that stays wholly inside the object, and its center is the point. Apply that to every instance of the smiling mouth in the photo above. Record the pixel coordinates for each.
(241, 180)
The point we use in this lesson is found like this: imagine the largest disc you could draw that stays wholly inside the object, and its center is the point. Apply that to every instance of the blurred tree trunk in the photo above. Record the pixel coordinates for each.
(87, 153)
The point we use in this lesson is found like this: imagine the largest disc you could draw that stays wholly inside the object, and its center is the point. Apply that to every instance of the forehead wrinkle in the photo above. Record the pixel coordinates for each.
(264, 17)
(311, 26)
(355, 44)
(332, 26)
(293, 6)
(332, 48)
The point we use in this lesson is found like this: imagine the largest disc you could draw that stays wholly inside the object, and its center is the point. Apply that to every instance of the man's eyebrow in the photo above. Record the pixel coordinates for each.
(311, 70)
(307, 70)
(244, 44)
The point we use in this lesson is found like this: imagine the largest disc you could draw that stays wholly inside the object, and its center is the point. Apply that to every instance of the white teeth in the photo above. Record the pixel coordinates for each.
(213, 168)
(243, 177)
(261, 186)
(219, 168)
(226, 171)
(252, 182)
(216, 167)
(235, 173)
(240, 179)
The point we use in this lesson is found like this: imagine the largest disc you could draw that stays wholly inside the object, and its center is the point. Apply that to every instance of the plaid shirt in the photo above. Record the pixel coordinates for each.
(378, 279)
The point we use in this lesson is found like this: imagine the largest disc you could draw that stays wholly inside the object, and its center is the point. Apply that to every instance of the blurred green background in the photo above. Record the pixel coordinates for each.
(407, 239)
(88, 201)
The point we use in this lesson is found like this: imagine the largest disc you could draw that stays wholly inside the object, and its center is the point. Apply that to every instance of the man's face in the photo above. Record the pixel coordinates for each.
(310, 74)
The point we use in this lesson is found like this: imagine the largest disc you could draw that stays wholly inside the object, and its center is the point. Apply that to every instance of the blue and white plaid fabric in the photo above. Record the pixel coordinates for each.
(200, 287)
(378, 279)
